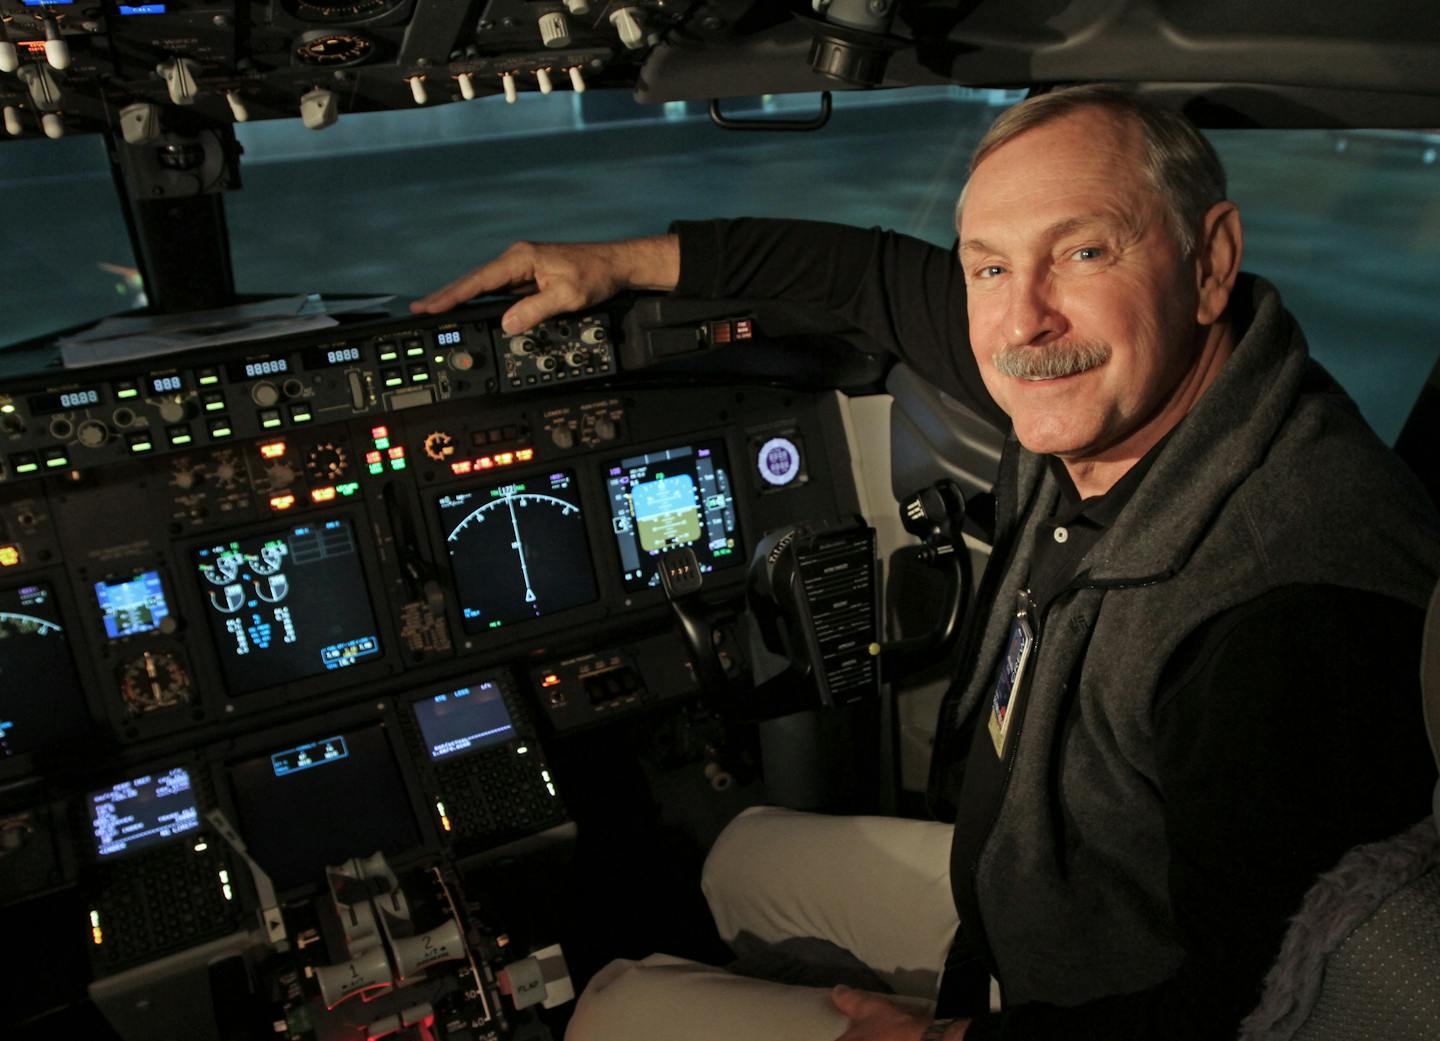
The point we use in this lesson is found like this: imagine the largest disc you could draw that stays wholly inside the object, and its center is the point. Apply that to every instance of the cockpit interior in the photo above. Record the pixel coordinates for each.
(366, 674)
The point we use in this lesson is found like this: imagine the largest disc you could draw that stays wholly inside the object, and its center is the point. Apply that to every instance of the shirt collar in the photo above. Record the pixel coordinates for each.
(1099, 510)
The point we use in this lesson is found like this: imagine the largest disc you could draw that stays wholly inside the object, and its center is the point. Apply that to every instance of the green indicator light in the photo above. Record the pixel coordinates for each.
(419, 377)
(397, 464)
(127, 392)
(62, 461)
(141, 446)
(388, 355)
(348, 489)
(382, 442)
(27, 468)
(206, 381)
(377, 468)
(214, 406)
(7, 408)
(222, 432)
(495, 625)
(394, 381)
(181, 439)
(302, 417)
(414, 352)
(439, 359)
(270, 423)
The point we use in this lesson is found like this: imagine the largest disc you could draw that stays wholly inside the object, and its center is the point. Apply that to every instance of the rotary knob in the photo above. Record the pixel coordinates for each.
(554, 30)
(92, 433)
(265, 394)
(562, 436)
(605, 429)
(172, 411)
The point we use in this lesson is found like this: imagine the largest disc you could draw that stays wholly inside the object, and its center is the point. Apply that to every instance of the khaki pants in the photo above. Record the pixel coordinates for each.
(877, 886)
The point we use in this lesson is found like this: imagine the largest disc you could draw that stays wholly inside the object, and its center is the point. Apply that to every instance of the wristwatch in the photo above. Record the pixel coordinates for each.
(936, 1030)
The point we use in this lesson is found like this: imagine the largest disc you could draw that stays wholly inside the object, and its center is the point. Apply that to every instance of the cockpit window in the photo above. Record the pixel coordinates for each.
(68, 257)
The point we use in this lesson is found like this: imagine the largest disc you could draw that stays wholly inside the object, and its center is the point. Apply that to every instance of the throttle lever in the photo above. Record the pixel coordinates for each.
(681, 579)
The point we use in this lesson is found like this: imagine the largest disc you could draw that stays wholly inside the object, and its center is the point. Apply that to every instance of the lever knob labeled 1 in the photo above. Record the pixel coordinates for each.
(367, 973)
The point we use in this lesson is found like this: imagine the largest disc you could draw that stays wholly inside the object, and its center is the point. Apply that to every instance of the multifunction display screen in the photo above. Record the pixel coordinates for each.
(132, 605)
(288, 605)
(41, 703)
(517, 549)
(464, 720)
(319, 803)
(678, 496)
(143, 812)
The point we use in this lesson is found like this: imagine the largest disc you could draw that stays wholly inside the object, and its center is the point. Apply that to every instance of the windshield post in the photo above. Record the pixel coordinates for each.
(170, 192)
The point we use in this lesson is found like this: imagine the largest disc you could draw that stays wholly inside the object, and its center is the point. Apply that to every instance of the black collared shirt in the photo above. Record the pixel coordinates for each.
(1063, 539)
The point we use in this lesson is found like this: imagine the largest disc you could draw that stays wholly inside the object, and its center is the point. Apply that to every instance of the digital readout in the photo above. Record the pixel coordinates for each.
(329, 354)
(62, 401)
(447, 338)
(257, 368)
(168, 384)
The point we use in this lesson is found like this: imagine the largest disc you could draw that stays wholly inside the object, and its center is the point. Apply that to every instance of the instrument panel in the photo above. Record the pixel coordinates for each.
(362, 628)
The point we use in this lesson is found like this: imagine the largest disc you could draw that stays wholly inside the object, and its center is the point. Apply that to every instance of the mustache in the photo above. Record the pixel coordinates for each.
(1052, 362)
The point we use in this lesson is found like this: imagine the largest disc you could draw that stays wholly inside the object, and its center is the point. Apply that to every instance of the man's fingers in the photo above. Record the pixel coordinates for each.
(507, 270)
(849, 1002)
(531, 311)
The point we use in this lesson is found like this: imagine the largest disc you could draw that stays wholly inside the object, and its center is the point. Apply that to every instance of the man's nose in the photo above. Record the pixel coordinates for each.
(1033, 315)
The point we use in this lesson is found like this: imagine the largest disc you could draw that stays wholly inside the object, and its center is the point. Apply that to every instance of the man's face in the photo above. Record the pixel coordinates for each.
(1071, 266)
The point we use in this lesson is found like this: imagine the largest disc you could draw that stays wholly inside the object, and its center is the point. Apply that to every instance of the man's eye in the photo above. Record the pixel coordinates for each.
(990, 271)
(1088, 253)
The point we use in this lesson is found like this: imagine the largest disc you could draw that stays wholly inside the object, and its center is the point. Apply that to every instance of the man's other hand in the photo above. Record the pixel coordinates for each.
(876, 1018)
(559, 277)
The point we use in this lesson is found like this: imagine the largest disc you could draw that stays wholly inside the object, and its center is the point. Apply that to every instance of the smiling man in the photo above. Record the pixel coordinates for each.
(1194, 684)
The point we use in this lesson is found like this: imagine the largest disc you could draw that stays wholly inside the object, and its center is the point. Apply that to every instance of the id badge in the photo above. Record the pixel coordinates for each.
(1008, 685)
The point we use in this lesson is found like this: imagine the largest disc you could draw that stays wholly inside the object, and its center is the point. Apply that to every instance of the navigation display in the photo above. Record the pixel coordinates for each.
(143, 812)
(307, 806)
(464, 720)
(132, 605)
(288, 605)
(517, 549)
(41, 703)
(678, 496)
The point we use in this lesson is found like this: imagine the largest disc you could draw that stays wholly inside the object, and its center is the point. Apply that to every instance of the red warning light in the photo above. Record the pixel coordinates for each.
(484, 463)
(379, 432)
(504, 458)
(464, 466)
(398, 452)
(550, 680)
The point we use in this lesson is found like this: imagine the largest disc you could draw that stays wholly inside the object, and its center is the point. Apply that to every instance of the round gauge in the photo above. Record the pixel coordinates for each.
(778, 461)
(439, 446)
(154, 680)
(342, 10)
(518, 552)
(327, 463)
(333, 48)
(223, 569)
(269, 559)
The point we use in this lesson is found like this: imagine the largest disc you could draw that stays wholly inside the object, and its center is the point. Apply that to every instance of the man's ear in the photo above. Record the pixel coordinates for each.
(1217, 260)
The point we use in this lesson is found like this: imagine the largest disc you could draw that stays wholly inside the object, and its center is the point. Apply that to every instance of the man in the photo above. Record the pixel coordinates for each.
(1196, 686)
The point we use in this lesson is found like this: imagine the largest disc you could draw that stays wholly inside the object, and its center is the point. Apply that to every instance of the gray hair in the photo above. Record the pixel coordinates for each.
(1180, 164)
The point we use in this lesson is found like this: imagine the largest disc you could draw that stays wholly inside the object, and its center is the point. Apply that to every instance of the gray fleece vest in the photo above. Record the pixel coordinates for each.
(1273, 479)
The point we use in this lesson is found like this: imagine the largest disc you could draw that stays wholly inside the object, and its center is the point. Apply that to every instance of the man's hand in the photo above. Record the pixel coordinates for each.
(563, 277)
(875, 1018)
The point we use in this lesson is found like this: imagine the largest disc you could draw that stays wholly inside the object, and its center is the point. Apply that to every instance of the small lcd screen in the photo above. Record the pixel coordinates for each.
(133, 605)
(308, 806)
(326, 355)
(678, 496)
(288, 605)
(169, 383)
(518, 549)
(41, 703)
(62, 401)
(258, 368)
(143, 812)
(464, 720)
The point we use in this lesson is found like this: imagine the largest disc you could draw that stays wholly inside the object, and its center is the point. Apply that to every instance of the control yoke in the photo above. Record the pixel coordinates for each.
(814, 597)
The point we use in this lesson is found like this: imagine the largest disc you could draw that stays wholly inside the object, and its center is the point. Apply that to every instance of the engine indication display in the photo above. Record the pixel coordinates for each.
(678, 496)
(40, 699)
(518, 550)
(288, 605)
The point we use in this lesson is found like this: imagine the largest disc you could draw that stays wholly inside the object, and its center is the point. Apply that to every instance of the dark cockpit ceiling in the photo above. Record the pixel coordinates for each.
(207, 61)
